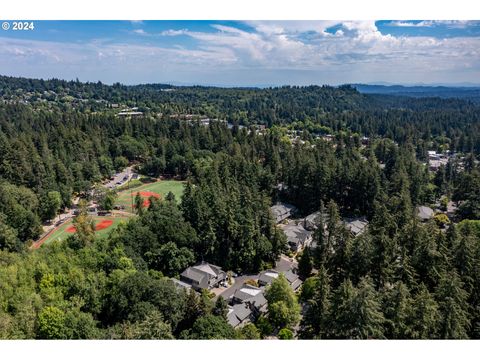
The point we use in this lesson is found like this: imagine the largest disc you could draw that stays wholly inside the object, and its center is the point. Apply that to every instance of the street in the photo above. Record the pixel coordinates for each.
(283, 264)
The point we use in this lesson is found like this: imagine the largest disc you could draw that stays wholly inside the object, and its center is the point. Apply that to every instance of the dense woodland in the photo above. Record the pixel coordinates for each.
(400, 279)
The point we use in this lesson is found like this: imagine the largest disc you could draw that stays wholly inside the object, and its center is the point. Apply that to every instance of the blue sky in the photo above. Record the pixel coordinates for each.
(248, 53)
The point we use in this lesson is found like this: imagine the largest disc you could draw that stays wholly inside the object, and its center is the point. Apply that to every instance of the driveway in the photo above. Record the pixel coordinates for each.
(239, 281)
(285, 263)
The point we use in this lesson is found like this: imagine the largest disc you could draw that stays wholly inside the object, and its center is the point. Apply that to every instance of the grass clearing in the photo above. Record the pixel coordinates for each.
(104, 225)
(157, 189)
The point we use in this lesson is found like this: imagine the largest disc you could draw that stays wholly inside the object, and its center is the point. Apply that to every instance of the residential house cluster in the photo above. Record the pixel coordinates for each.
(299, 232)
(249, 302)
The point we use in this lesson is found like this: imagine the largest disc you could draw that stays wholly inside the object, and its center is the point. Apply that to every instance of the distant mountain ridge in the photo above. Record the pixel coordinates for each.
(471, 93)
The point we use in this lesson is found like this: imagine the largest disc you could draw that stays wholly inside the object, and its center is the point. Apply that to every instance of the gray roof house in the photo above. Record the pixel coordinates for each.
(253, 297)
(282, 211)
(311, 221)
(356, 225)
(258, 303)
(266, 277)
(424, 213)
(245, 293)
(297, 236)
(293, 280)
(239, 315)
(203, 276)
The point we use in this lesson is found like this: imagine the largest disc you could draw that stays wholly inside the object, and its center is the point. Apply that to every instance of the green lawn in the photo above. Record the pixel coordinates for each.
(61, 233)
(162, 187)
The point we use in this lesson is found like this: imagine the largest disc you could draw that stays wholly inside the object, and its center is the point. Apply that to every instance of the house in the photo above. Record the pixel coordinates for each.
(293, 280)
(297, 236)
(249, 302)
(311, 221)
(266, 277)
(203, 276)
(245, 293)
(424, 213)
(258, 304)
(282, 211)
(232, 319)
(253, 296)
(239, 315)
(356, 226)
(130, 113)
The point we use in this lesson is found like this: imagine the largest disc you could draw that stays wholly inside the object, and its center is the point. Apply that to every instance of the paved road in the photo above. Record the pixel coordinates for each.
(239, 281)
(120, 178)
(283, 264)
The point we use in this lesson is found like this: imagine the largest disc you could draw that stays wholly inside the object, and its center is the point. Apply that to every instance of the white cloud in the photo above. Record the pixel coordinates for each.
(172, 32)
(459, 24)
(347, 51)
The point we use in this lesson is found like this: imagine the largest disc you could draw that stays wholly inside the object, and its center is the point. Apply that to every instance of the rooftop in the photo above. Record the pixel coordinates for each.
(246, 292)
(356, 225)
(282, 211)
(267, 276)
(424, 212)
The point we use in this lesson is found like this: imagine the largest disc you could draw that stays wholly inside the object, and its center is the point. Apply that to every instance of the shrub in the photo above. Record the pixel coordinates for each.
(285, 334)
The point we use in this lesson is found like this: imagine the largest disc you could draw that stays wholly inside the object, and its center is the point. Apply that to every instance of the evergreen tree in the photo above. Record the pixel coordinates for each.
(305, 264)
(315, 322)
(424, 316)
(356, 312)
(453, 307)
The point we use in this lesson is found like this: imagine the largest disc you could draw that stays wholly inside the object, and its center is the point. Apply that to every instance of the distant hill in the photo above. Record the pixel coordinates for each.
(466, 93)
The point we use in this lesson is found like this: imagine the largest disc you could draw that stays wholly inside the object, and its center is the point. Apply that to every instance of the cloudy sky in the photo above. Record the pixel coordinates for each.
(257, 53)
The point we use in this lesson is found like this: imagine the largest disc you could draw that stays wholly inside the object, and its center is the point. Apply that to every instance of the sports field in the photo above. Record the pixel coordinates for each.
(103, 225)
(158, 189)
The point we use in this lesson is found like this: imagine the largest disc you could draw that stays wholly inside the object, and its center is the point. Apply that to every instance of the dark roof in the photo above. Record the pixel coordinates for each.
(265, 278)
(246, 292)
(232, 319)
(194, 274)
(356, 225)
(241, 311)
(258, 301)
(293, 279)
(203, 270)
(311, 221)
(290, 276)
(210, 269)
(282, 211)
(296, 234)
